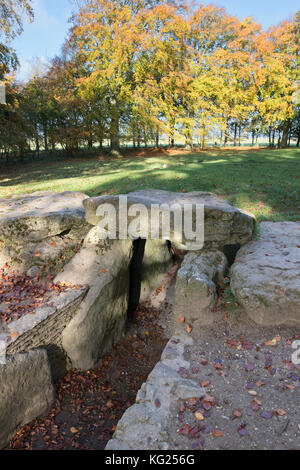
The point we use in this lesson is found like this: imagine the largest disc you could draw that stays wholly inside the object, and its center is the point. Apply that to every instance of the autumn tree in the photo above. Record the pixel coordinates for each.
(12, 13)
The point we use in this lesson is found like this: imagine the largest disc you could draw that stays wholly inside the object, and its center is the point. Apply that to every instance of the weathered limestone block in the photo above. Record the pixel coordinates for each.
(157, 262)
(44, 329)
(104, 267)
(36, 229)
(26, 391)
(196, 289)
(266, 275)
(224, 223)
(40, 215)
(145, 425)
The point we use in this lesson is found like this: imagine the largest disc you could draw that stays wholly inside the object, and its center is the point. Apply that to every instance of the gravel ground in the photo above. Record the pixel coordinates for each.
(253, 389)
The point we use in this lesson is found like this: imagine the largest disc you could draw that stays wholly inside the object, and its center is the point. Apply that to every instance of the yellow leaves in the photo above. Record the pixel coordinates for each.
(74, 430)
(274, 341)
(199, 416)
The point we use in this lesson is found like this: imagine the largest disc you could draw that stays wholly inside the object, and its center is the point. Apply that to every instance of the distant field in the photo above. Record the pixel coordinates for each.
(265, 182)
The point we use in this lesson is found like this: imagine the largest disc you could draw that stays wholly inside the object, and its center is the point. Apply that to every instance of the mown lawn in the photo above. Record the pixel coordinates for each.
(264, 182)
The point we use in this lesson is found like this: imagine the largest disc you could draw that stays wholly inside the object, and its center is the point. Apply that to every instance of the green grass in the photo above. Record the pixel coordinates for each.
(264, 182)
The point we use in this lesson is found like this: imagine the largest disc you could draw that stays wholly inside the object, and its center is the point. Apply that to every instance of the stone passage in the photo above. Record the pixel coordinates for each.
(52, 234)
(144, 426)
(266, 275)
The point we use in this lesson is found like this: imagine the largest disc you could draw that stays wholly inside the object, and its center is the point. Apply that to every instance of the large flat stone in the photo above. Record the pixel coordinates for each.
(224, 223)
(26, 391)
(40, 215)
(104, 267)
(40, 232)
(266, 275)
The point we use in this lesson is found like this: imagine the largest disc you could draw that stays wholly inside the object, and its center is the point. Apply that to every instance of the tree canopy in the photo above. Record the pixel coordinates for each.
(136, 70)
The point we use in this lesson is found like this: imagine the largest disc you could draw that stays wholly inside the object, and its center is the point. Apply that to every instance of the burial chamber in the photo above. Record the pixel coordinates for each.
(112, 276)
(55, 234)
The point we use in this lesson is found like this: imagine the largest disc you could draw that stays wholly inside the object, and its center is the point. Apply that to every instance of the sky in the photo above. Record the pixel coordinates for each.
(44, 37)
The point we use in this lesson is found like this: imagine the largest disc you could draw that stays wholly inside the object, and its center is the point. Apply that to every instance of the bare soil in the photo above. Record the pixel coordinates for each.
(253, 389)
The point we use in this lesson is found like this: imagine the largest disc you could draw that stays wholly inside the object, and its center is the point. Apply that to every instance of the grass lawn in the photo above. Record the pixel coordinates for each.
(264, 182)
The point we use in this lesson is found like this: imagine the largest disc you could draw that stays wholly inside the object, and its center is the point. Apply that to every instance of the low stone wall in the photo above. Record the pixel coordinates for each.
(145, 425)
(44, 329)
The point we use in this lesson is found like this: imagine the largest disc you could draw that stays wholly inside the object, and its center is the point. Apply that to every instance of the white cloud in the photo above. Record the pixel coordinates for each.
(30, 68)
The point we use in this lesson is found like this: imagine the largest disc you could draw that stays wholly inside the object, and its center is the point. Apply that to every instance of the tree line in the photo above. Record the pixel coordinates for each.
(139, 70)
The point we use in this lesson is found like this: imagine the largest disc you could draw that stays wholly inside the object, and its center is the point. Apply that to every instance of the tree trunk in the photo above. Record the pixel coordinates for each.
(145, 139)
(90, 141)
(235, 134)
(189, 140)
(273, 138)
(285, 134)
(37, 145)
(114, 129)
(46, 140)
(226, 133)
(157, 139)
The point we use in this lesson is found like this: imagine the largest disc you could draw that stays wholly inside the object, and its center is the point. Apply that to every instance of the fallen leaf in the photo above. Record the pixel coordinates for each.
(157, 403)
(260, 383)
(237, 413)
(267, 414)
(280, 412)
(217, 433)
(206, 384)
(199, 416)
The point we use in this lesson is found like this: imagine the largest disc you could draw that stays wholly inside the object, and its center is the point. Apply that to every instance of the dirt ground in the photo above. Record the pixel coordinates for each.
(253, 389)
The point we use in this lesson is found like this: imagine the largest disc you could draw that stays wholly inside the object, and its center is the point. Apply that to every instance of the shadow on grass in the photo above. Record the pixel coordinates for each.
(266, 182)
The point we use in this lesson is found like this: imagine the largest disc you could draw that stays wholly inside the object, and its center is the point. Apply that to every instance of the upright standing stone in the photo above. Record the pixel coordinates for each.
(196, 287)
(26, 391)
(103, 266)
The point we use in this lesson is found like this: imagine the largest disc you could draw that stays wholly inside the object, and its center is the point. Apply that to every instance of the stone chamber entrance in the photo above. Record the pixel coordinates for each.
(89, 404)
